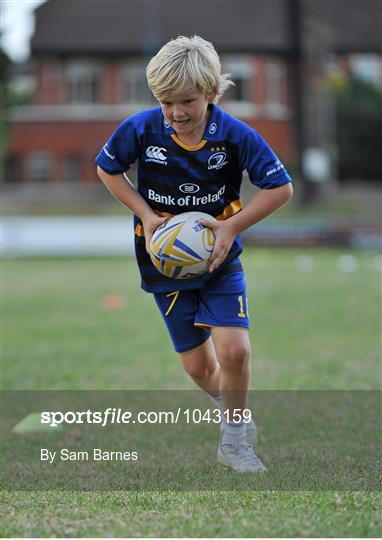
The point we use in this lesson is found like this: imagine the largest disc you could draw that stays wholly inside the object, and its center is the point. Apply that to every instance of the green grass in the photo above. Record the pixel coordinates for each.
(310, 331)
(212, 514)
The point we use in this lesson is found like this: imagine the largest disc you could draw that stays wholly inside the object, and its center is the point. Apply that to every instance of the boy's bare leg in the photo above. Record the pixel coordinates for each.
(229, 377)
(202, 366)
(233, 380)
(235, 447)
(233, 350)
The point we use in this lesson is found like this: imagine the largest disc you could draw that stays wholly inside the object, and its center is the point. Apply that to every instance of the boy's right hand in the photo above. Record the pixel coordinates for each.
(150, 224)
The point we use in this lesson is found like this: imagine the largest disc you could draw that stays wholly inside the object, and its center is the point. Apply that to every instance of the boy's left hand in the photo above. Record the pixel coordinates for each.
(224, 238)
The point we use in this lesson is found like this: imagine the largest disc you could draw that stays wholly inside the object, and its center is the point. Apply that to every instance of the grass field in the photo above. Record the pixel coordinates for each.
(310, 330)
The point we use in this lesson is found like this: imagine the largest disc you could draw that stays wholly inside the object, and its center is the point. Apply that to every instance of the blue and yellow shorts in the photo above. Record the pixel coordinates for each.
(190, 314)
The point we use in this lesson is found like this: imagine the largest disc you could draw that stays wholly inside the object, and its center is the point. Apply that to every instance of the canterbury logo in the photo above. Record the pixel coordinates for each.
(155, 152)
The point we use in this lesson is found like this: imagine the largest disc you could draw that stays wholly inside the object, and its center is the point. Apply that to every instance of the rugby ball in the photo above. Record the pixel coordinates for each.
(180, 247)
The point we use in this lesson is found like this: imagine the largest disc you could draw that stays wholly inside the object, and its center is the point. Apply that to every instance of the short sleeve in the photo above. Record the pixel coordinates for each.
(121, 150)
(264, 168)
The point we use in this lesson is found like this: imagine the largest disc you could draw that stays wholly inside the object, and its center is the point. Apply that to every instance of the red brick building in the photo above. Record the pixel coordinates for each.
(90, 63)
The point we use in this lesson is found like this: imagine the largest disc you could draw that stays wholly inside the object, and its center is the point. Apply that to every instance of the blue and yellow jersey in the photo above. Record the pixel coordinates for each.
(174, 177)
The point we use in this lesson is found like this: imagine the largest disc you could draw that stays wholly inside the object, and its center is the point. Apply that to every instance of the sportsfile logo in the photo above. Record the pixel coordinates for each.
(156, 154)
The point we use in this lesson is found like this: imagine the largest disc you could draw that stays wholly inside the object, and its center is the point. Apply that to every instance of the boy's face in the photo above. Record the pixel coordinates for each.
(187, 112)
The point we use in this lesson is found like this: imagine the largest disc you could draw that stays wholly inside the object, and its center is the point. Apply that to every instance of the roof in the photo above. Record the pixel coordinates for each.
(139, 26)
(350, 25)
(142, 26)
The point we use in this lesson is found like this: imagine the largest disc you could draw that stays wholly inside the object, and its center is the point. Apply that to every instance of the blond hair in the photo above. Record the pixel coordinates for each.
(184, 64)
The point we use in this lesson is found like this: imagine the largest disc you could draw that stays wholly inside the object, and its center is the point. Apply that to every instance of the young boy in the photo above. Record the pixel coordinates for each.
(189, 144)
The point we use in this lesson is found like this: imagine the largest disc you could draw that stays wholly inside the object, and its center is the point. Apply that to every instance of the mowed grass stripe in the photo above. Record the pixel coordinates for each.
(309, 330)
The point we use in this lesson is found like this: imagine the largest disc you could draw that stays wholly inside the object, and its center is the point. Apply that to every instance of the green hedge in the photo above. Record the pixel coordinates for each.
(359, 130)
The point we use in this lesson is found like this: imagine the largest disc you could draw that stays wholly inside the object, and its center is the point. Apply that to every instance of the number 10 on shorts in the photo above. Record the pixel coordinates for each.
(243, 312)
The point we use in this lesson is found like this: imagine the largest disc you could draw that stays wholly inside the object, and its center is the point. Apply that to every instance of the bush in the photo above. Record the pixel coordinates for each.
(359, 130)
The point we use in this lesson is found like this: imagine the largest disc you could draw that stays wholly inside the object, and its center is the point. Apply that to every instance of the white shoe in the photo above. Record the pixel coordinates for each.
(241, 457)
(251, 433)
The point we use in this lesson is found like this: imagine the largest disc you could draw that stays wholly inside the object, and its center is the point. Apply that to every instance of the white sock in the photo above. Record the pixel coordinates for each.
(233, 432)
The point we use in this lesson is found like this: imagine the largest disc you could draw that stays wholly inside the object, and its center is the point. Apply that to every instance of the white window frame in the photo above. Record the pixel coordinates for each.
(40, 166)
(71, 162)
(241, 66)
(80, 75)
(275, 94)
(133, 76)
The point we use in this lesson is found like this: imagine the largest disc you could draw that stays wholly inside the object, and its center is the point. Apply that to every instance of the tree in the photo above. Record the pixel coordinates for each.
(359, 130)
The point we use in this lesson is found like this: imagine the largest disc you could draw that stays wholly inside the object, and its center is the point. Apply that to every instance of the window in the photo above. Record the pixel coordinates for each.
(13, 169)
(134, 83)
(71, 169)
(241, 69)
(39, 166)
(275, 77)
(366, 67)
(82, 81)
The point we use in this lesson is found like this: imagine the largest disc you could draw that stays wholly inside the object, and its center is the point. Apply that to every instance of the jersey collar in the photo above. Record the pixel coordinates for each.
(214, 122)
